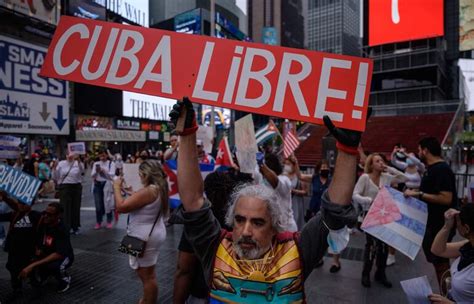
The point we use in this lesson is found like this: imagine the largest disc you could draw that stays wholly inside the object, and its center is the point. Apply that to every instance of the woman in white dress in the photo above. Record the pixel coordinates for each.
(146, 207)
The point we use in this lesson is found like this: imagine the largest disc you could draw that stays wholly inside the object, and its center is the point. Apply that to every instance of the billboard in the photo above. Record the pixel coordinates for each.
(466, 25)
(89, 9)
(135, 11)
(188, 22)
(29, 103)
(269, 35)
(146, 106)
(467, 82)
(404, 20)
(47, 11)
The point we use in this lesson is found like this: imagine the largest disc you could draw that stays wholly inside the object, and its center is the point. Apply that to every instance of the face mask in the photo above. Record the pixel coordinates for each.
(338, 240)
(410, 162)
(287, 169)
(324, 173)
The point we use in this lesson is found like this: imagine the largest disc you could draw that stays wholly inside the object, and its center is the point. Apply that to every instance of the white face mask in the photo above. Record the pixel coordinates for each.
(287, 169)
(338, 240)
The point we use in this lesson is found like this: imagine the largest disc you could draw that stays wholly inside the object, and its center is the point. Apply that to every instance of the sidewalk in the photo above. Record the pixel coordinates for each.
(100, 274)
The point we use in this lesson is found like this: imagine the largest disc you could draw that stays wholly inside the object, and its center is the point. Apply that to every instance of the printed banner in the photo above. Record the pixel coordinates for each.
(397, 220)
(9, 147)
(29, 103)
(291, 83)
(20, 185)
(76, 148)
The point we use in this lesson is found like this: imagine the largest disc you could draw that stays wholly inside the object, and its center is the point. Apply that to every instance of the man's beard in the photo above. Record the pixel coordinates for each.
(249, 254)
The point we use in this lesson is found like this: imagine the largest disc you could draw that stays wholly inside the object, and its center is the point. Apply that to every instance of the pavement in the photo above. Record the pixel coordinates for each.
(101, 274)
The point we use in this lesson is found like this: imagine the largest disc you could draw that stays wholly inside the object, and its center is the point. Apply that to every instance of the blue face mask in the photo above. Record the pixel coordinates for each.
(410, 162)
(337, 240)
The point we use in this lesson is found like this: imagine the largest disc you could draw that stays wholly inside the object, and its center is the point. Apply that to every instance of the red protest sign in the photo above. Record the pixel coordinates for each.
(290, 83)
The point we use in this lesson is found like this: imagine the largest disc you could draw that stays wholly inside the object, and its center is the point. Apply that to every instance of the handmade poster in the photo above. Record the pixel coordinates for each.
(76, 148)
(417, 290)
(130, 176)
(397, 220)
(246, 144)
(297, 84)
(206, 134)
(18, 184)
(9, 147)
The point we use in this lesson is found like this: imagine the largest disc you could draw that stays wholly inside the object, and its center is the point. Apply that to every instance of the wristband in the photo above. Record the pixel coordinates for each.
(347, 149)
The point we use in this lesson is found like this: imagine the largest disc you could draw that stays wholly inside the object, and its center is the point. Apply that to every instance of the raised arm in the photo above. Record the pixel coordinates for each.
(440, 246)
(191, 186)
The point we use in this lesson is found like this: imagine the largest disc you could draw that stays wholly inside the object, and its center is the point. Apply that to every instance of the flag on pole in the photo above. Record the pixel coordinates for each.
(171, 167)
(290, 140)
(224, 157)
(266, 132)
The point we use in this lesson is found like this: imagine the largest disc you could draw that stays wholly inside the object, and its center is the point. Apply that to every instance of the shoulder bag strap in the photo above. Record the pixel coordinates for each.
(72, 165)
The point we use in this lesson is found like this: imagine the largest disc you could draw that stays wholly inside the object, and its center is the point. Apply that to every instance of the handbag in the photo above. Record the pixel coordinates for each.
(49, 187)
(135, 246)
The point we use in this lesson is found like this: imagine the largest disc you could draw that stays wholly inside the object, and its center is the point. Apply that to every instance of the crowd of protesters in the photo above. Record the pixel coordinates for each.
(236, 222)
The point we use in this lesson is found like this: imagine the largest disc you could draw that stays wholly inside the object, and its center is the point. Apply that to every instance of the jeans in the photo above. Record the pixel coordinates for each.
(99, 203)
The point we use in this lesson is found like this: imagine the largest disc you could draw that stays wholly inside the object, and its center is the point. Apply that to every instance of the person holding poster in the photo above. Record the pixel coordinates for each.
(376, 175)
(238, 265)
(68, 175)
(147, 209)
(462, 270)
(102, 171)
(172, 152)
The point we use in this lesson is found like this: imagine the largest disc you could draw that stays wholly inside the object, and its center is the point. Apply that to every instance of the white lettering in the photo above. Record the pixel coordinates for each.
(57, 63)
(198, 91)
(234, 70)
(105, 56)
(259, 76)
(293, 80)
(324, 91)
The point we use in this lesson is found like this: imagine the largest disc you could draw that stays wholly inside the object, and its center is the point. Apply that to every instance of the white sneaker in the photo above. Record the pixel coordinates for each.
(390, 259)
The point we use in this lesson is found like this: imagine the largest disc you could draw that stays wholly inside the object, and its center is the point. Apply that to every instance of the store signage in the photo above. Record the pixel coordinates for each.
(47, 11)
(30, 103)
(9, 147)
(127, 124)
(404, 20)
(466, 25)
(146, 106)
(110, 135)
(133, 10)
(91, 122)
(89, 9)
(276, 81)
(153, 135)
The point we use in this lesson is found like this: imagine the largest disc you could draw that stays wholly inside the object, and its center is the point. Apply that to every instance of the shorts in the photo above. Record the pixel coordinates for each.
(430, 235)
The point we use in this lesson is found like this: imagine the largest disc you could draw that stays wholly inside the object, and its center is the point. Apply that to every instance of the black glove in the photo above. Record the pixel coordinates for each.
(190, 125)
(347, 140)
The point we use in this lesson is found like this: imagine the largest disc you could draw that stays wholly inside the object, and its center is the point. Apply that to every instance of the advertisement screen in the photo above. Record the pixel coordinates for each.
(133, 10)
(146, 106)
(188, 22)
(86, 9)
(404, 20)
(466, 25)
(47, 11)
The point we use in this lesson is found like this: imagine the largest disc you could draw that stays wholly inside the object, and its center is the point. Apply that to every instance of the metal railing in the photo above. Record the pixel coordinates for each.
(463, 180)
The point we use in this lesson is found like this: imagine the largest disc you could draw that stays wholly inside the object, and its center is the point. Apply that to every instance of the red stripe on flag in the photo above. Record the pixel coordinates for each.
(290, 144)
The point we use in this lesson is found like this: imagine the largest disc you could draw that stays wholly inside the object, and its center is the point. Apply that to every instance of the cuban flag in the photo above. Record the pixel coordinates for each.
(397, 220)
(171, 167)
(224, 157)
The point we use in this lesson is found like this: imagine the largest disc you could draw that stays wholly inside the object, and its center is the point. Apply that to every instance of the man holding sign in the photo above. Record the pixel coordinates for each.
(245, 265)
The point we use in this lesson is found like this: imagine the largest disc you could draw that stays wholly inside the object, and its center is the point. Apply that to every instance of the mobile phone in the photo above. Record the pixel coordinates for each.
(117, 172)
(260, 158)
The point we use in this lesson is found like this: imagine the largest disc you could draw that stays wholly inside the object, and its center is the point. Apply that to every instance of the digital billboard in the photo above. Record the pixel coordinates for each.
(404, 20)
(47, 11)
(466, 25)
(86, 9)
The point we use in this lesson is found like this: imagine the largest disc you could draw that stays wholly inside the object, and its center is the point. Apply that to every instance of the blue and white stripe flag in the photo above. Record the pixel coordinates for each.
(266, 132)
(397, 220)
(171, 167)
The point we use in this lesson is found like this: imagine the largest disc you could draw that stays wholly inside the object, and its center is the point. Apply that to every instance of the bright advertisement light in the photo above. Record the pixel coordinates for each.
(146, 106)
(404, 20)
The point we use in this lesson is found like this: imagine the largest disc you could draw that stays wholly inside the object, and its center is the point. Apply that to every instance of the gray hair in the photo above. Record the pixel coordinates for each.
(263, 193)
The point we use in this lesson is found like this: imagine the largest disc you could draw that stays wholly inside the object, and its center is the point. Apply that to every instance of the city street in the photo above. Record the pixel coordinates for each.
(100, 274)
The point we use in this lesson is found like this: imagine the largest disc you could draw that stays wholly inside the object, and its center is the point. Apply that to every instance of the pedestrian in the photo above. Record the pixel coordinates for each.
(147, 208)
(258, 260)
(102, 171)
(438, 191)
(172, 152)
(298, 190)
(462, 270)
(20, 241)
(31, 165)
(68, 176)
(271, 175)
(53, 254)
(203, 156)
(376, 176)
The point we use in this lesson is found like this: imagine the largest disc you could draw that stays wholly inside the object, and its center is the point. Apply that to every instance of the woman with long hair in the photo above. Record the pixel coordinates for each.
(376, 176)
(298, 190)
(147, 208)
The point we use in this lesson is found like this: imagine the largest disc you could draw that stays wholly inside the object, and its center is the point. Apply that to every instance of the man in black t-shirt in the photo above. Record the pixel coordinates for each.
(438, 191)
(54, 253)
(20, 241)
